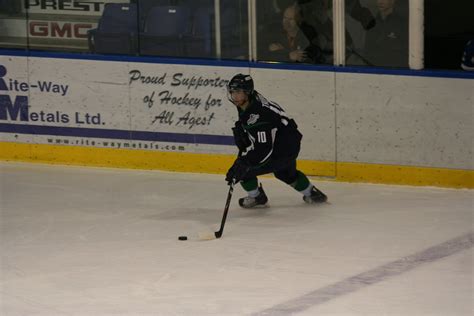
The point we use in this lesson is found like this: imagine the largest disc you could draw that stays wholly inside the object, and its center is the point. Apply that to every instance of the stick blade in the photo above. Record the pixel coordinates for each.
(206, 235)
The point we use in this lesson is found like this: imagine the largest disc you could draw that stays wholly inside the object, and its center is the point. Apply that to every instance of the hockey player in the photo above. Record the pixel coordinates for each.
(268, 142)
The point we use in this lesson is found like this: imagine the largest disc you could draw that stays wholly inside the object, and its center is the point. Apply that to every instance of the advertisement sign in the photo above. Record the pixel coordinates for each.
(116, 105)
(69, 7)
(52, 24)
(59, 29)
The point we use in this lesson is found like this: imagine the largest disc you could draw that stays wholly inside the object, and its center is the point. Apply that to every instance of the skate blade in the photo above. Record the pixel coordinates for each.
(266, 205)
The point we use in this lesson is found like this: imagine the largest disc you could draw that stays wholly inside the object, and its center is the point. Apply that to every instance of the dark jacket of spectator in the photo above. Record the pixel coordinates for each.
(387, 43)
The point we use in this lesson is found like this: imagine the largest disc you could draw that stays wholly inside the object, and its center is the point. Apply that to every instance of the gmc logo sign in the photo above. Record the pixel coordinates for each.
(59, 29)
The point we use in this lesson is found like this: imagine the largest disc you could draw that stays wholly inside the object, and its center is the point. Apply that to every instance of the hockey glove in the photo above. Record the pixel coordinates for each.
(237, 172)
(240, 136)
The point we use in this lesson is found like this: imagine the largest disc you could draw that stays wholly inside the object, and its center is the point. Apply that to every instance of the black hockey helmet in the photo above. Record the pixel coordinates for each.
(241, 82)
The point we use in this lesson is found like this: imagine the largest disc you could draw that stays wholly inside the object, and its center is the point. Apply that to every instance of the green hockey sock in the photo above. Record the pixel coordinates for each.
(301, 183)
(249, 185)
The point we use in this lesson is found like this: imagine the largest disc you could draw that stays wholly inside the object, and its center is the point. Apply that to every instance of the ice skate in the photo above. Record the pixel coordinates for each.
(315, 197)
(250, 202)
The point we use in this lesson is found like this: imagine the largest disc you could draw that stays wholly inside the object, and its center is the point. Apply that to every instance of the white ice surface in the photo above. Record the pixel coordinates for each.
(85, 241)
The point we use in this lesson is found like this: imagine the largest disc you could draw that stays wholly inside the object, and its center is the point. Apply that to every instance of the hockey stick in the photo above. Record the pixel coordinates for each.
(218, 233)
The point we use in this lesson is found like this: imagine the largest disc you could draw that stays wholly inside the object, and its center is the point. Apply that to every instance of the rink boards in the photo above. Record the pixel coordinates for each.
(166, 114)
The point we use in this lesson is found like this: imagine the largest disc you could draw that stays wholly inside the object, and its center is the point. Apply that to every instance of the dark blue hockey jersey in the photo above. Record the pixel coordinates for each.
(272, 133)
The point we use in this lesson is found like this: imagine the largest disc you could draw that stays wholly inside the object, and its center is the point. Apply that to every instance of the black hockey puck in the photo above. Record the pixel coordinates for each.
(183, 238)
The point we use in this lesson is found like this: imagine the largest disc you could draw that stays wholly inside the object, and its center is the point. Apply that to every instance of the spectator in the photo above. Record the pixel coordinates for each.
(318, 14)
(295, 42)
(270, 11)
(387, 42)
(468, 57)
(360, 14)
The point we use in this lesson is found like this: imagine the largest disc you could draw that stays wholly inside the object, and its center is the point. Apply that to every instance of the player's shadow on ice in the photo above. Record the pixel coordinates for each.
(293, 211)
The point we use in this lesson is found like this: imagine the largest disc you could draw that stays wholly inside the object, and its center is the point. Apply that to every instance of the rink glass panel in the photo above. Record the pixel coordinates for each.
(289, 34)
(377, 33)
(448, 28)
(13, 25)
(190, 30)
